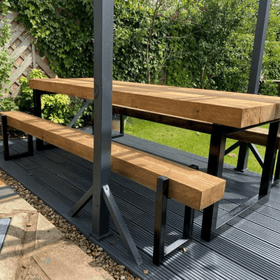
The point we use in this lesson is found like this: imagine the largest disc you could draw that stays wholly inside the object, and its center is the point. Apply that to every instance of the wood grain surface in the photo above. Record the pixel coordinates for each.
(188, 186)
(226, 108)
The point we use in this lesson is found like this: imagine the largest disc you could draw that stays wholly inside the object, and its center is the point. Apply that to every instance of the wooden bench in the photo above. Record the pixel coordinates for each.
(195, 189)
(256, 135)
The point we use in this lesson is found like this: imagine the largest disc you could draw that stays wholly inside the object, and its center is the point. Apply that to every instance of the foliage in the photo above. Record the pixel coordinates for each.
(63, 30)
(7, 104)
(58, 108)
(6, 63)
(25, 98)
(215, 53)
(268, 87)
(197, 43)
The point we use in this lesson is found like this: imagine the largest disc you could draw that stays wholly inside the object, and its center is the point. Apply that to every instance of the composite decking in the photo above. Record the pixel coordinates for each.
(247, 248)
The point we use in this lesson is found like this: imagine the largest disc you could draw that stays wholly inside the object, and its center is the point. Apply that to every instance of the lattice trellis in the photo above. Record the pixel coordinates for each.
(21, 48)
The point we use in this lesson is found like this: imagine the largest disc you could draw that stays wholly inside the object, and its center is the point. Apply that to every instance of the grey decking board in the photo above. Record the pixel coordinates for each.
(248, 278)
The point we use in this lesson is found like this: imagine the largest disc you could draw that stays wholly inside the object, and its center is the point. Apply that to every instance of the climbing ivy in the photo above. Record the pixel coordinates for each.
(62, 30)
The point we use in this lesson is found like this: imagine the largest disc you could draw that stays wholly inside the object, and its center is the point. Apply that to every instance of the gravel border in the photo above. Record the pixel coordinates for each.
(69, 231)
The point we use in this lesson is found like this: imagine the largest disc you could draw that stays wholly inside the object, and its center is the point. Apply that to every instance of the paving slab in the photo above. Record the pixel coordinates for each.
(35, 249)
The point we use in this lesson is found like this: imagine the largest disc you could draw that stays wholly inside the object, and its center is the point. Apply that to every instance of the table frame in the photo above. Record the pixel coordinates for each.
(210, 222)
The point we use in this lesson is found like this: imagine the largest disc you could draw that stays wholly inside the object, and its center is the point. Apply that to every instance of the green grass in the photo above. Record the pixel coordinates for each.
(185, 140)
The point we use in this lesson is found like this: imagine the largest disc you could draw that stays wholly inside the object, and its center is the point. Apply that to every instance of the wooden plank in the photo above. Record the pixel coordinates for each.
(191, 187)
(22, 47)
(16, 33)
(20, 70)
(56, 86)
(44, 66)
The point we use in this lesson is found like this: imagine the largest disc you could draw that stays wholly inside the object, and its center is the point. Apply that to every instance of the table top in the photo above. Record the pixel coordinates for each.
(225, 108)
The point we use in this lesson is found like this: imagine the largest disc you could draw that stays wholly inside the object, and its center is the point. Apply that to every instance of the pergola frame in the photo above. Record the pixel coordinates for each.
(103, 200)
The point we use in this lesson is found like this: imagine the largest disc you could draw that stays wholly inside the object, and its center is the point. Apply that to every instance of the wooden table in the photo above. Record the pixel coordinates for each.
(228, 112)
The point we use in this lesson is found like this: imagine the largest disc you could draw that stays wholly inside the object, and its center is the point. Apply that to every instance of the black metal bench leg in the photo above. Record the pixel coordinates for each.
(30, 145)
(188, 222)
(160, 221)
(5, 137)
(209, 222)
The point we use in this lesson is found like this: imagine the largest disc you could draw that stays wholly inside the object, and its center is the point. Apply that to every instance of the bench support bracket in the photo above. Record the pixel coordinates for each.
(117, 218)
(7, 155)
(120, 224)
(160, 251)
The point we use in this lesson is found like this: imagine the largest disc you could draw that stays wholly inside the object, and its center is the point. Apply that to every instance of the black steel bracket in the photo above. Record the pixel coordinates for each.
(160, 251)
(6, 151)
(117, 218)
(210, 222)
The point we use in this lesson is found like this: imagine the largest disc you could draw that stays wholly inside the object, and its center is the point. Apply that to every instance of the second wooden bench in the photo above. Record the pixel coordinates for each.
(195, 189)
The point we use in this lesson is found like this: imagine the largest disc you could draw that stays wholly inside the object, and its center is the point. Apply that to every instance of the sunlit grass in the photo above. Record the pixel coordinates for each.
(185, 140)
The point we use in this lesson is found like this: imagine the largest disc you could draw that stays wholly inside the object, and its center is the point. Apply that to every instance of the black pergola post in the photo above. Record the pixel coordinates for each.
(103, 199)
(256, 65)
(259, 42)
(103, 63)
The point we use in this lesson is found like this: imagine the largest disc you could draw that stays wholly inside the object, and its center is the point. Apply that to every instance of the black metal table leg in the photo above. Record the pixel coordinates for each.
(38, 112)
(160, 221)
(215, 167)
(5, 137)
(269, 160)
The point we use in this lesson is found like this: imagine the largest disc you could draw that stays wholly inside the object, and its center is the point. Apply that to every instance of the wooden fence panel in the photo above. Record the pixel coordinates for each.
(26, 58)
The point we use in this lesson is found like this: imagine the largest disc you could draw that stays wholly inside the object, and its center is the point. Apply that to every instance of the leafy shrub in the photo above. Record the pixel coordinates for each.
(269, 88)
(25, 98)
(58, 108)
(8, 104)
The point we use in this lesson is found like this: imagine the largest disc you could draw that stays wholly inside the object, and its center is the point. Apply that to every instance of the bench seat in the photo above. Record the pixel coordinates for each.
(193, 188)
(256, 135)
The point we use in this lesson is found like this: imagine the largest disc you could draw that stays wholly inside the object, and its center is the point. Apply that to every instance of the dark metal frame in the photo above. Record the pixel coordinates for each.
(210, 222)
(103, 200)
(6, 151)
(253, 87)
(160, 251)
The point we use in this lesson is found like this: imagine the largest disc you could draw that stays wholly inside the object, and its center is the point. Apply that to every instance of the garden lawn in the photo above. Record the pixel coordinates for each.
(186, 140)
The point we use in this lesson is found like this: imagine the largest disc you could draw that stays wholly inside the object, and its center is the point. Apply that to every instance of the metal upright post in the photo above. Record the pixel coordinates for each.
(103, 63)
(215, 167)
(256, 65)
(260, 34)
